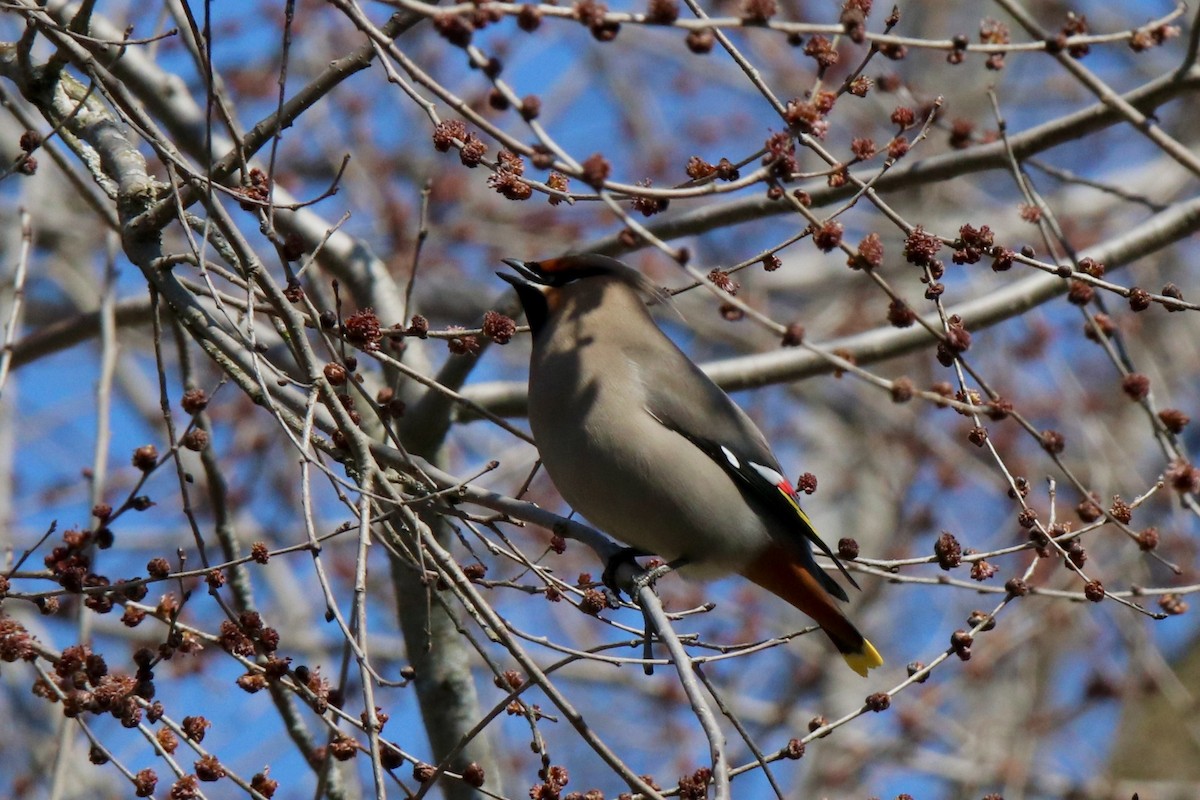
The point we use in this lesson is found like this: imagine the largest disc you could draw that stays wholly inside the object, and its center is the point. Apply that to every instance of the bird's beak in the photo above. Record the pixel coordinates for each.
(517, 282)
(528, 274)
(533, 291)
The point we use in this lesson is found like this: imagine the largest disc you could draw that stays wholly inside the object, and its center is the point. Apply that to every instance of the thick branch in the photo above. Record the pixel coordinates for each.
(508, 398)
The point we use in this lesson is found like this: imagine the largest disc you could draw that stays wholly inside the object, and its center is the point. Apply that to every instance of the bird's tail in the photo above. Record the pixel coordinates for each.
(780, 572)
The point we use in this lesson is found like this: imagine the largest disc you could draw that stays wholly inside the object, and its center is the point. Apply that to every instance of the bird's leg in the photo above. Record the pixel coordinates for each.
(643, 578)
(648, 578)
(626, 555)
(647, 643)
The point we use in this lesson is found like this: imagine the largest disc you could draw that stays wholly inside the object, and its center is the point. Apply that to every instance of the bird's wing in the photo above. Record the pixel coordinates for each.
(684, 399)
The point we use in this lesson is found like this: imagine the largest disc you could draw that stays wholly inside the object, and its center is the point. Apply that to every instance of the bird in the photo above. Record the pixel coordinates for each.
(637, 439)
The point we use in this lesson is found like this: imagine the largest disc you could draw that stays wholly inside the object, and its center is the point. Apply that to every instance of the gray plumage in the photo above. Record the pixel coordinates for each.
(643, 444)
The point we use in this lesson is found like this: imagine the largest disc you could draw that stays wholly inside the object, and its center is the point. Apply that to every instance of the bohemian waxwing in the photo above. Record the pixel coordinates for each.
(640, 441)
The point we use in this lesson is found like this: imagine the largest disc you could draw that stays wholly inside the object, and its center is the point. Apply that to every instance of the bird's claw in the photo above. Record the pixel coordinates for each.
(626, 555)
(612, 600)
(651, 576)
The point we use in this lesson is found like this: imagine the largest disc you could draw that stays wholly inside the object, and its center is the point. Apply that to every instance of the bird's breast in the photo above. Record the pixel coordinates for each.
(619, 467)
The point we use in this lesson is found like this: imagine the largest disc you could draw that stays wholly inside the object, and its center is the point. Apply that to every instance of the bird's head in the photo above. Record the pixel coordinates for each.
(543, 285)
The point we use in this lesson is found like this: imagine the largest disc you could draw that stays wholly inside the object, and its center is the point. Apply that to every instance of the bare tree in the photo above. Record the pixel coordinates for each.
(274, 525)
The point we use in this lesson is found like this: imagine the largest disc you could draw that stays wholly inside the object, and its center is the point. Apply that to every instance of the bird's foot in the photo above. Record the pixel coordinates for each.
(626, 555)
(644, 579)
(651, 576)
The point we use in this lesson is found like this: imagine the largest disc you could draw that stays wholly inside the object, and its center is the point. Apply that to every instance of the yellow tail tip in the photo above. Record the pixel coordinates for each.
(866, 658)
